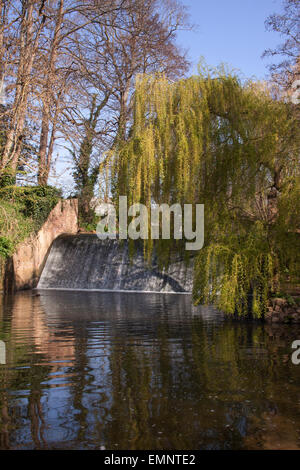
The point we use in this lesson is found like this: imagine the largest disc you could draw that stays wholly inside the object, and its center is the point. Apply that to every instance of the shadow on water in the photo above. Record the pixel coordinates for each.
(142, 371)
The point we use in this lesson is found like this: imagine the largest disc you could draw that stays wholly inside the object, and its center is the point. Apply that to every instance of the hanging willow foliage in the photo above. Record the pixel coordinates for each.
(213, 140)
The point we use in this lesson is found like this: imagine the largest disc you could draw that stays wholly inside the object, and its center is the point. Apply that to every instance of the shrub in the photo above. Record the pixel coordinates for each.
(17, 193)
(23, 210)
(37, 201)
(6, 247)
(7, 179)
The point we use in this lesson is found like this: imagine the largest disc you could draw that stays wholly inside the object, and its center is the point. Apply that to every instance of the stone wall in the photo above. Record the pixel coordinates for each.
(23, 269)
(280, 311)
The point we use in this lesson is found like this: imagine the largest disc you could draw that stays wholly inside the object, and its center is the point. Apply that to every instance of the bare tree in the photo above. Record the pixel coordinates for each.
(4, 8)
(32, 21)
(287, 24)
(70, 68)
(35, 60)
(49, 97)
(70, 19)
(139, 39)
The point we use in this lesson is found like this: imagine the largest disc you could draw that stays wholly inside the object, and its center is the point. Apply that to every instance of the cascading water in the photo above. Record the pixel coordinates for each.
(84, 262)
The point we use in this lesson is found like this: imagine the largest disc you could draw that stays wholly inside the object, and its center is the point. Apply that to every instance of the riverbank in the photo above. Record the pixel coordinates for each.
(283, 310)
(30, 219)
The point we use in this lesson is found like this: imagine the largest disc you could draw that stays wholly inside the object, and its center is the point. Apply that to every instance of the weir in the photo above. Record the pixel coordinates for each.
(84, 262)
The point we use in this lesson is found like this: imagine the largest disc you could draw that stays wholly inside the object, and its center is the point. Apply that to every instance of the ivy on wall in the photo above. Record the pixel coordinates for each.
(23, 210)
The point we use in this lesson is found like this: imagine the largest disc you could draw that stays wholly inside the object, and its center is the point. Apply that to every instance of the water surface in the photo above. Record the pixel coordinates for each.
(142, 371)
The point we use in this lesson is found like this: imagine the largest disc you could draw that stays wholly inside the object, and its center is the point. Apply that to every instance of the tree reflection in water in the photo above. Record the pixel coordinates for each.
(142, 371)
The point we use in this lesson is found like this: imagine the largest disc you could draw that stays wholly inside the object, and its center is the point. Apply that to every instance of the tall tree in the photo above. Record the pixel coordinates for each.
(48, 96)
(140, 38)
(287, 70)
(32, 22)
(39, 68)
(212, 140)
(71, 21)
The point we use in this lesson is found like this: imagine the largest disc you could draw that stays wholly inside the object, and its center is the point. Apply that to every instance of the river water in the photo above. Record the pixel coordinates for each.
(142, 371)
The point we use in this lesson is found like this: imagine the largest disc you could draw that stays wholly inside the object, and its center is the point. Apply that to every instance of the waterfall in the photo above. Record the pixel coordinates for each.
(83, 262)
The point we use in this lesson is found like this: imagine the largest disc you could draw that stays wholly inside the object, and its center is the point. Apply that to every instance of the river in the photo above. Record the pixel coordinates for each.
(142, 371)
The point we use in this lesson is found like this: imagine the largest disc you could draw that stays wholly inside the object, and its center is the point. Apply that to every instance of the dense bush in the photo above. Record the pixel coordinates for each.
(38, 201)
(23, 210)
(7, 179)
(17, 192)
(6, 247)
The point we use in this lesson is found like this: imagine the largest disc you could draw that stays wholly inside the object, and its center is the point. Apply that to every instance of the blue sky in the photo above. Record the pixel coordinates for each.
(231, 31)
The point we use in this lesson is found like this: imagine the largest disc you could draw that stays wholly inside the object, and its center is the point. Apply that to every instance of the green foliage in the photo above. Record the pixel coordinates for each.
(237, 272)
(17, 193)
(6, 247)
(7, 178)
(212, 139)
(90, 226)
(23, 210)
(37, 201)
(13, 223)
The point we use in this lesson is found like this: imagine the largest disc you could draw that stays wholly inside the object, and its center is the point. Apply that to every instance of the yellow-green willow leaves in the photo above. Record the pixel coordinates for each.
(213, 140)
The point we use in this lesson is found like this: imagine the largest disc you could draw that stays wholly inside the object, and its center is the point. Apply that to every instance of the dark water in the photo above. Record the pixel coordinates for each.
(142, 371)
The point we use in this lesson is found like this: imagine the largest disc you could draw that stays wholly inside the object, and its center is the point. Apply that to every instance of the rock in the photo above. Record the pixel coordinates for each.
(279, 301)
(295, 320)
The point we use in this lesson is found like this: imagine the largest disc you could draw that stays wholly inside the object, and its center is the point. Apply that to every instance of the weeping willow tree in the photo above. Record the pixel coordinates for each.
(214, 140)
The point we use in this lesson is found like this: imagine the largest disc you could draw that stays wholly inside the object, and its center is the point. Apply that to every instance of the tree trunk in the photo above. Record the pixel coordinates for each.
(27, 50)
(44, 156)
